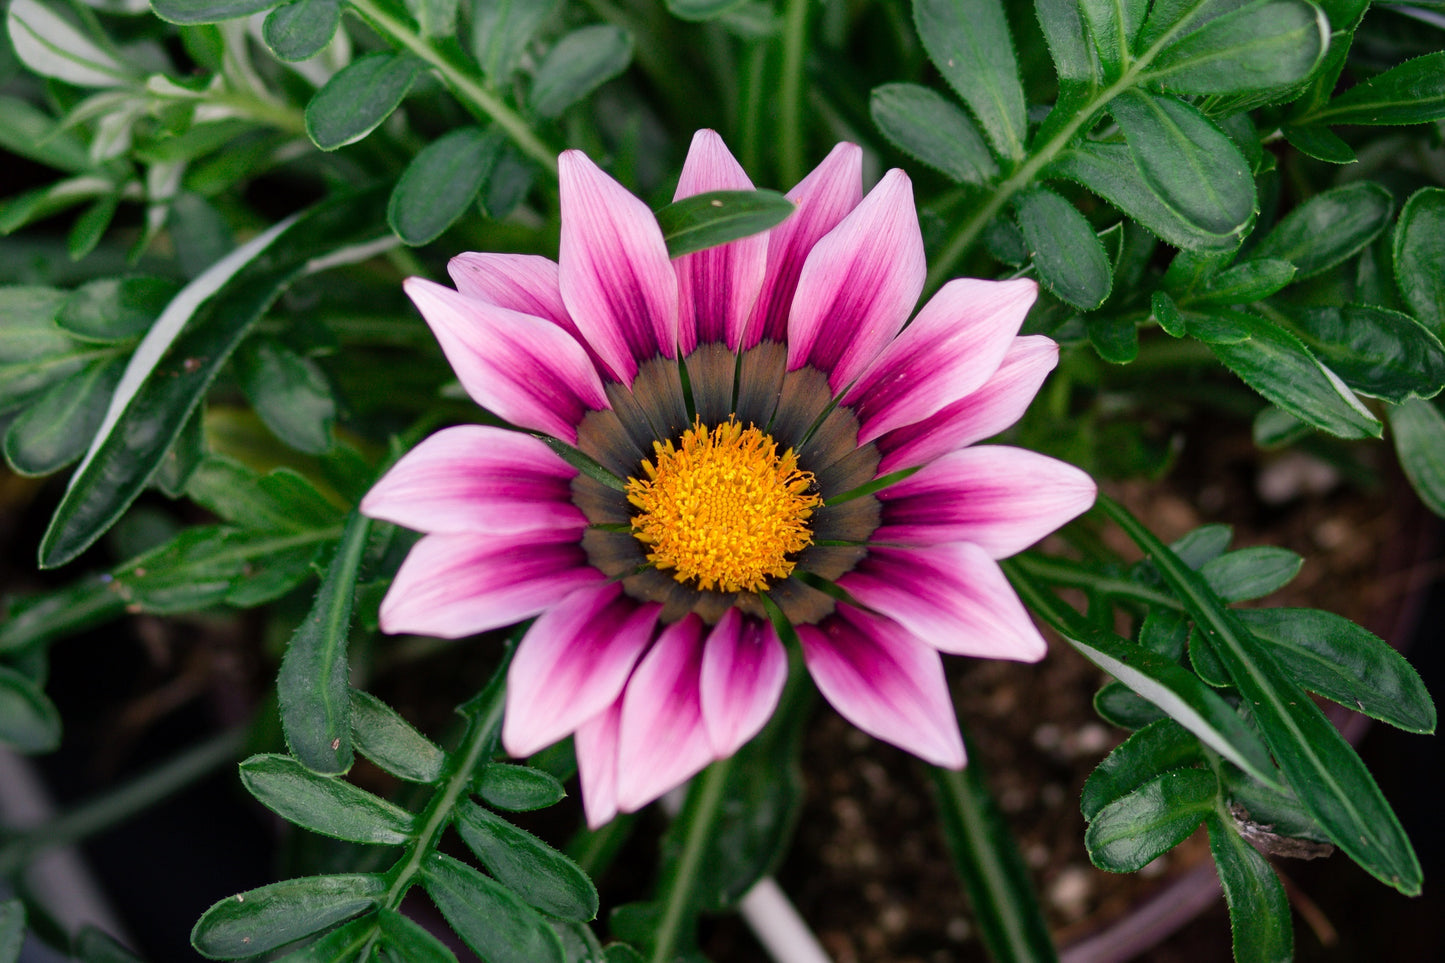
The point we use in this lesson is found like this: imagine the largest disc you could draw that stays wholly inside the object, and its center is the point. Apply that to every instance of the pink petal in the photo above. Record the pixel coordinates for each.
(1002, 499)
(456, 585)
(821, 200)
(520, 282)
(572, 664)
(663, 741)
(616, 279)
(984, 413)
(524, 369)
(957, 341)
(885, 682)
(952, 596)
(596, 748)
(476, 478)
(743, 670)
(716, 287)
(859, 284)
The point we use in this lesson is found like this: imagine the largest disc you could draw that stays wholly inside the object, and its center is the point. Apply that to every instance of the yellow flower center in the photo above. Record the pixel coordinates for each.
(723, 508)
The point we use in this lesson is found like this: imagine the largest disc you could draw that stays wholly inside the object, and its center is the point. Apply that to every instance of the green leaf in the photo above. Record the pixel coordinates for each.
(1249, 281)
(1205, 661)
(1264, 44)
(539, 874)
(412, 941)
(1325, 773)
(313, 683)
(1320, 143)
(987, 859)
(706, 220)
(1259, 915)
(1420, 257)
(1412, 93)
(282, 500)
(391, 742)
(1067, 254)
(700, 11)
(29, 132)
(1180, 18)
(495, 923)
(440, 183)
(301, 30)
(34, 352)
(1164, 311)
(968, 41)
(259, 920)
(1130, 832)
(1121, 706)
(94, 946)
(209, 565)
(12, 930)
(1154, 749)
(1333, 657)
(1201, 545)
(29, 721)
(1164, 631)
(289, 393)
(1273, 362)
(39, 619)
(53, 46)
(1418, 430)
(91, 225)
(1329, 227)
(338, 946)
(54, 431)
(501, 30)
(578, 64)
(208, 11)
(1378, 352)
(181, 354)
(517, 789)
(359, 97)
(1068, 43)
(1251, 573)
(1116, 339)
(1113, 25)
(324, 804)
(928, 127)
(437, 18)
(115, 309)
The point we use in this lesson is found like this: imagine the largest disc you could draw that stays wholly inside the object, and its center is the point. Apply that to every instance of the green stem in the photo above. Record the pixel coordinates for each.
(704, 812)
(481, 101)
(790, 98)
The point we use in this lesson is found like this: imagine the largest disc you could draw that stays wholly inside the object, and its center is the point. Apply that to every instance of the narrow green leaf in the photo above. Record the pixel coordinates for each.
(497, 925)
(34, 352)
(323, 804)
(29, 132)
(1113, 25)
(440, 183)
(1130, 832)
(518, 789)
(37, 620)
(29, 721)
(313, 683)
(1205, 661)
(1264, 44)
(259, 920)
(53, 46)
(55, 430)
(986, 857)
(1067, 254)
(1116, 339)
(359, 97)
(1201, 545)
(181, 354)
(1333, 657)
(115, 309)
(706, 220)
(1154, 749)
(289, 393)
(928, 127)
(1166, 313)
(1121, 706)
(700, 11)
(208, 565)
(1329, 227)
(208, 11)
(413, 943)
(391, 742)
(1412, 93)
(1325, 773)
(1419, 248)
(1274, 362)
(1376, 351)
(539, 874)
(1249, 281)
(339, 945)
(580, 62)
(302, 29)
(1259, 915)
(501, 30)
(282, 500)
(969, 42)
(1068, 44)
(436, 18)
(1251, 573)
(1165, 631)
(91, 225)
(1180, 18)
(1418, 430)
(1320, 143)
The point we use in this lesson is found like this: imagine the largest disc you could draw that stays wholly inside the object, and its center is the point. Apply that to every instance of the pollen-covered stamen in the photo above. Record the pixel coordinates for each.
(723, 510)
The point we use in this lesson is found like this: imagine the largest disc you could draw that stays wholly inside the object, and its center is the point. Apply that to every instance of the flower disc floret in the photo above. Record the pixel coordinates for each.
(722, 509)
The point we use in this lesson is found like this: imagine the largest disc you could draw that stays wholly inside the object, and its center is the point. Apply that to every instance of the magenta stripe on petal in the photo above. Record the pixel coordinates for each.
(616, 279)
(456, 585)
(476, 478)
(525, 369)
(952, 596)
(984, 413)
(716, 287)
(596, 748)
(743, 671)
(957, 341)
(885, 682)
(1002, 499)
(859, 284)
(663, 741)
(822, 199)
(572, 664)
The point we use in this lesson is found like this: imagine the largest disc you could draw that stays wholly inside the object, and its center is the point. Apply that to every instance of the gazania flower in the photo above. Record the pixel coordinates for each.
(761, 441)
